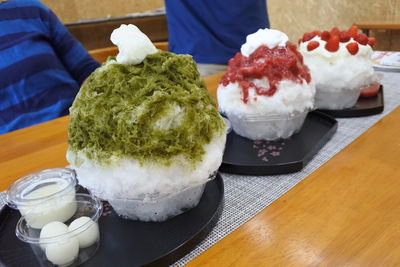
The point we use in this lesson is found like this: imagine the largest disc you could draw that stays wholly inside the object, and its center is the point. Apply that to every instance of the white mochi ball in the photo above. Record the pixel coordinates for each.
(89, 235)
(52, 229)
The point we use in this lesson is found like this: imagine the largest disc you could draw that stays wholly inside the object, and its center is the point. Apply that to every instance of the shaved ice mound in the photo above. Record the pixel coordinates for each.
(150, 192)
(340, 65)
(146, 137)
(267, 91)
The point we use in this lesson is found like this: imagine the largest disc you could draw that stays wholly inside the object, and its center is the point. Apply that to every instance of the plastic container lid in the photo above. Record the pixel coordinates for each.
(19, 193)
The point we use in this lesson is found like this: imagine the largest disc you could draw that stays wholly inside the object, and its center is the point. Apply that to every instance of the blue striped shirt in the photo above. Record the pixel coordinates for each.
(41, 65)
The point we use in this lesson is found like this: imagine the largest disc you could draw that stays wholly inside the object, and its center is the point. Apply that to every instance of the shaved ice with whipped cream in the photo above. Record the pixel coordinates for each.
(266, 91)
(145, 133)
(340, 65)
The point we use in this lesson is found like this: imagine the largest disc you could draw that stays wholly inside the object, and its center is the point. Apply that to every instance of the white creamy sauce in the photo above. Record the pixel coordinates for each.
(42, 212)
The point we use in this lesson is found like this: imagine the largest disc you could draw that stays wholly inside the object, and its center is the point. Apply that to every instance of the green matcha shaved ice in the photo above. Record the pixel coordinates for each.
(152, 112)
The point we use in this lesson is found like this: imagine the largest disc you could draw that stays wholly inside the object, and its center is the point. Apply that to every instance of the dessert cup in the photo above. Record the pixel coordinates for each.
(340, 65)
(271, 127)
(145, 134)
(159, 208)
(67, 255)
(336, 100)
(44, 196)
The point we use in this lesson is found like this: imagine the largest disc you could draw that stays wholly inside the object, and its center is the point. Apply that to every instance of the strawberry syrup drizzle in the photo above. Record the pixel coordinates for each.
(276, 64)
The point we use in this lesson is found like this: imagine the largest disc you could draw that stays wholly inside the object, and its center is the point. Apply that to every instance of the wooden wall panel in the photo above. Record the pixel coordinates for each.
(97, 35)
(299, 16)
(291, 16)
(76, 10)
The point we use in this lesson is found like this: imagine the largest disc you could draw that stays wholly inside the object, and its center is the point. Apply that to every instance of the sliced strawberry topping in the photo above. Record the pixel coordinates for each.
(325, 35)
(334, 37)
(352, 48)
(344, 36)
(312, 45)
(362, 39)
(276, 64)
(317, 33)
(353, 31)
(333, 44)
(371, 41)
(308, 36)
(335, 31)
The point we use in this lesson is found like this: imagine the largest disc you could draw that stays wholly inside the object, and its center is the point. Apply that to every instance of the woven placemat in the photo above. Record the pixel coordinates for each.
(246, 196)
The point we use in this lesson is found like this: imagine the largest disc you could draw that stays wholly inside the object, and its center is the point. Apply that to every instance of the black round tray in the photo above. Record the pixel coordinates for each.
(126, 242)
(365, 106)
(245, 156)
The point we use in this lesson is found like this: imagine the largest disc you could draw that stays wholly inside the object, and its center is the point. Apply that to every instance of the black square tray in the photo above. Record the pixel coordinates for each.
(245, 156)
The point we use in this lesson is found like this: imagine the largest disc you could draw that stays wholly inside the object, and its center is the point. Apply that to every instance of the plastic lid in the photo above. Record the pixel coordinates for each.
(21, 191)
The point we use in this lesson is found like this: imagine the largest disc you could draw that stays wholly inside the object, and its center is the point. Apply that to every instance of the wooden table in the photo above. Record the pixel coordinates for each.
(366, 26)
(346, 213)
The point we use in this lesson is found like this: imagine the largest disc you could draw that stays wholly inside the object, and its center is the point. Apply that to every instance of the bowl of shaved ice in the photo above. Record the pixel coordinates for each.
(145, 134)
(340, 64)
(267, 90)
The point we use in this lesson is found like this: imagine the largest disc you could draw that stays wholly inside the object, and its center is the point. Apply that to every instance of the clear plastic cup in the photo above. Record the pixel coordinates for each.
(44, 196)
(336, 100)
(68, 249)
(159, 208)
(342, 98)
(271, 127)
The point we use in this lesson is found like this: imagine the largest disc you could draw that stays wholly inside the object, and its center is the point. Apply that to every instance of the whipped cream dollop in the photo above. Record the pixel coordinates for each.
(268, 37)
(332, 71)
(133, 45)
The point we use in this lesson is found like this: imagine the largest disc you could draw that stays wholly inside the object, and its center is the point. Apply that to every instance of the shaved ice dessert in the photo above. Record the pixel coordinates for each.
(340, 65)
(266, 91)
(145, 133)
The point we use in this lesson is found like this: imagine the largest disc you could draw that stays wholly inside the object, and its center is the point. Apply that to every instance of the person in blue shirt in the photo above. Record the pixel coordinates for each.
(212, 31)
(41, 65)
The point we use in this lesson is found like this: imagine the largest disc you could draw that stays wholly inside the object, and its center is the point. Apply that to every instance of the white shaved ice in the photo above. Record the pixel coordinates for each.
(338, 73)
(136, 190)
(289, 98)
(267, 117)
(172, 120)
